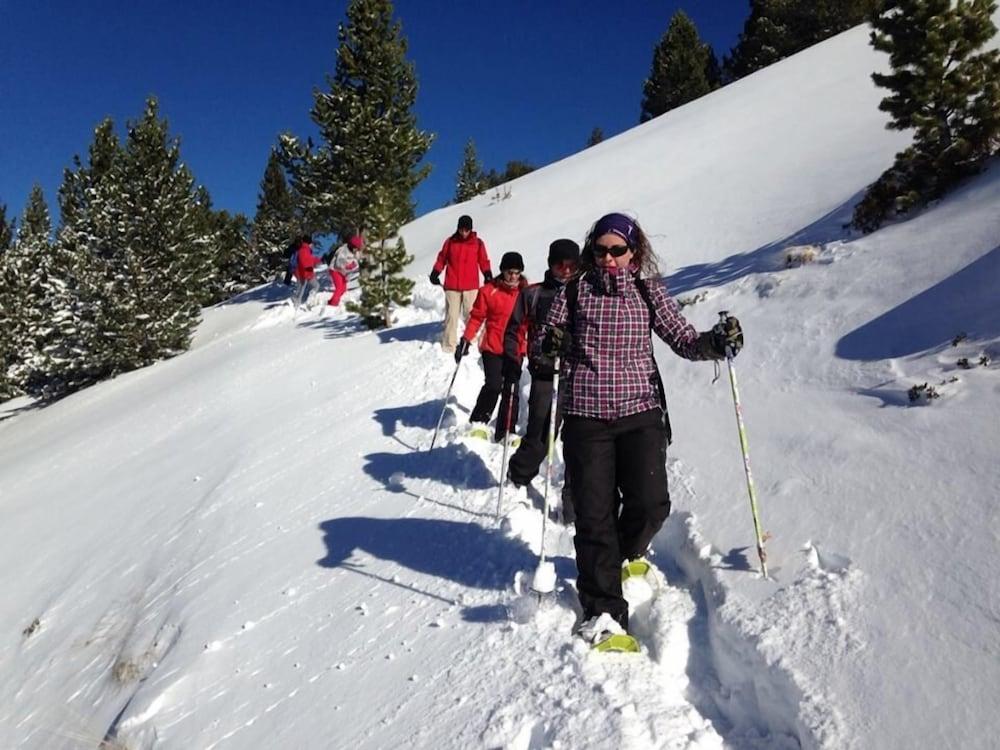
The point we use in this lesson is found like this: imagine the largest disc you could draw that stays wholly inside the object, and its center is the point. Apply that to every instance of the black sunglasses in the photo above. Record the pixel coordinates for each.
(615, 251)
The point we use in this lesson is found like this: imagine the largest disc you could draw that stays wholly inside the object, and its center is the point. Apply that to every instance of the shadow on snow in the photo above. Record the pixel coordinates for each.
(764, 259)
(965, 301)
(462, 552)
(453, 465)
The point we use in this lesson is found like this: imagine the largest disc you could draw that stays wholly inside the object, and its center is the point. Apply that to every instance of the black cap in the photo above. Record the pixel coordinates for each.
(465, 222)
(562, 250)
(512, 260)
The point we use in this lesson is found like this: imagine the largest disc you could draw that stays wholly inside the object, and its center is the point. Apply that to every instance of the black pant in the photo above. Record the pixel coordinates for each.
(490, 392)
(531, 452)
(603, 459)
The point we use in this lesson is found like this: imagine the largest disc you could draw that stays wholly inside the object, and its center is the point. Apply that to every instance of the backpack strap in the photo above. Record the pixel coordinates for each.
(640, 284)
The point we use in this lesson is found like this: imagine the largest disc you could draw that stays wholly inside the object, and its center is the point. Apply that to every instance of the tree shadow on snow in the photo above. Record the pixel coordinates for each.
(453, 465)
(764, 259)
(965, 301)
(429, 332)
(273, 292)
(462, 552)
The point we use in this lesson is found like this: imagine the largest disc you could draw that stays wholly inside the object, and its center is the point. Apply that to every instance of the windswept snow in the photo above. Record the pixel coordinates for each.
(252, 545)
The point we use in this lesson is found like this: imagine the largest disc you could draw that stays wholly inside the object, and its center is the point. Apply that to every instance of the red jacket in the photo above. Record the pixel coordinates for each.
(494, 304)
(306, 263)
(464, 259)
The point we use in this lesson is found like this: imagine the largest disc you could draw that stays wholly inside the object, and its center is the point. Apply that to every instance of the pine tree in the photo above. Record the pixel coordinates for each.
(237, 265)
(943, 89)
(382, 283)
(596, 136)
(370, 143)
(776, 29)
(23, 299)
(678, 75)
(7, 230)
(81, 343)
(276, 221)
(470, 180)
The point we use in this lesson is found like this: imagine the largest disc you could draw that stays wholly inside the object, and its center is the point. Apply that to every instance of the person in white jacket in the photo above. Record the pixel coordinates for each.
(345, 260)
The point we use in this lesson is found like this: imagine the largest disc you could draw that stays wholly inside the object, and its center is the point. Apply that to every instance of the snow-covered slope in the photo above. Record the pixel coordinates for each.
(252, 545)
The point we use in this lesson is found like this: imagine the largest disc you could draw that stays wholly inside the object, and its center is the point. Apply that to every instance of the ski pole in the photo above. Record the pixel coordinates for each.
(445, 407)
(545, 575)
(761, 553)
(506, 446)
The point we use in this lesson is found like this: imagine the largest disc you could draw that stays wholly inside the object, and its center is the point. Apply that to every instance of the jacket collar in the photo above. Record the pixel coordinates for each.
(614, 281)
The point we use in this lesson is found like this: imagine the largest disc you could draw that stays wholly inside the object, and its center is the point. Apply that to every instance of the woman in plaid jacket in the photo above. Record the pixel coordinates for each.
(615, 430)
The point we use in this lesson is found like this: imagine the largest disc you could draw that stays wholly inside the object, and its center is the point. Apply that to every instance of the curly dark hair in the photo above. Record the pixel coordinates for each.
(644, 258)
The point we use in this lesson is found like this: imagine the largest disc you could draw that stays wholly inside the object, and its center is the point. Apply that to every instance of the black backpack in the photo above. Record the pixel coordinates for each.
(573, 294)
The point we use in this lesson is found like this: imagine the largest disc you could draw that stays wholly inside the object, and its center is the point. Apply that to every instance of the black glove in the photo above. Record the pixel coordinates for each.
(727, 337)
(557, 343)
(511, 370)
(461, 350)
(435, 278)
(487, 277)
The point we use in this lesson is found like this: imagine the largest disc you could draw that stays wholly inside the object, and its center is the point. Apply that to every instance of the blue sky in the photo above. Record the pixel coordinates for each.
(526, 80)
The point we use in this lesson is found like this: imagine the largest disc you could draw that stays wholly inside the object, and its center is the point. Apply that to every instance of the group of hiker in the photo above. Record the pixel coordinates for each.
(591, 319)
(302, 262)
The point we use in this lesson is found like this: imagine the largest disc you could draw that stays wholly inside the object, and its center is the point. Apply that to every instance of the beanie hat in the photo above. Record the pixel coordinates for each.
(563, 250)
(355, 242)
(512, 260)
(618, 224)
(465, 222)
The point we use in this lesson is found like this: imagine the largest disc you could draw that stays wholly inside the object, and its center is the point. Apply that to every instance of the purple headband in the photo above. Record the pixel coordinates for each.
(618, 224)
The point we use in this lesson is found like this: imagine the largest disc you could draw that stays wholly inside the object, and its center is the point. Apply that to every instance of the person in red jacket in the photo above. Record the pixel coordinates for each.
(464, 255)
(305, 271)
(493, 305)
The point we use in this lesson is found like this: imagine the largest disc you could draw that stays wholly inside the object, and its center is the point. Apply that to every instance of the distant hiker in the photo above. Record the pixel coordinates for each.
(344, 261)
(305, 271)
(530, 312)
(464, 255)
(493, 305)
(615, 427)
(291, 251)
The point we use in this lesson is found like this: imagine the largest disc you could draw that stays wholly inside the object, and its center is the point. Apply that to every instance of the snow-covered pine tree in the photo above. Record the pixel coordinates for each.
(382, 284)
(276, 221)
(679, 70)
(83, 341)
(776, 29)
(163, 265)
(237, 264)
(596, 136)
(470, 180)
(368, 131)
(23, 298)
(945, 89)
(6, 230)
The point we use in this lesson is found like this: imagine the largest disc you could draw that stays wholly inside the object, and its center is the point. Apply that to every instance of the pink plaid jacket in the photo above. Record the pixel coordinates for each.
(609, 373)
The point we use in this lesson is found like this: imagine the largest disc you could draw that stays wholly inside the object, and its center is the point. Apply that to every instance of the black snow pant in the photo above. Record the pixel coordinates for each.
(490, 392)
(605, 458)
(528, 457)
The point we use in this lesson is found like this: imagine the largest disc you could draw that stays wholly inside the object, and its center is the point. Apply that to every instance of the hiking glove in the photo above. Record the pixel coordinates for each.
(487, 277)
(435, 278)
(511, 370)
(461, 350)
(557, 343)
(727, 337)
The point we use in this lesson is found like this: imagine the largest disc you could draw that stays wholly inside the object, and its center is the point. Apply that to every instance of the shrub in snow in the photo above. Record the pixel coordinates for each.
(959, 338)
(922, 394)
(800, 255)
(964, 363)
(693, 299)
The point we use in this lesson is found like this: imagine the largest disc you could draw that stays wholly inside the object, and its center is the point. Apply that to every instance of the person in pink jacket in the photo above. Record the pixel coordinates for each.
(344, 261)
(464, 256)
